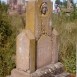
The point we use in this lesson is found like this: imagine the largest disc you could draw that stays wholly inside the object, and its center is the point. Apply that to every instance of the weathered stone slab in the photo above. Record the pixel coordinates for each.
(55, 46)
(47, 71)
(25, 51)
(52, 70)
(44, 51)
(19, 73)
(64, 74)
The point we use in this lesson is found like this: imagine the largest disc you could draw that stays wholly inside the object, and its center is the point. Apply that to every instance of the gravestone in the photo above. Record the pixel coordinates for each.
(37, 44)
(44, 43)
(70, 6)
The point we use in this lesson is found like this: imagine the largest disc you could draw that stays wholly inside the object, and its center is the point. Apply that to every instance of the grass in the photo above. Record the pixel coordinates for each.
(67, 28)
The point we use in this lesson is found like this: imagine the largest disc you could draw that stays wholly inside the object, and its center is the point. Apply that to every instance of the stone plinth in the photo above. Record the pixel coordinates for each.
(25, 51)
(52, 70)
(19, 73)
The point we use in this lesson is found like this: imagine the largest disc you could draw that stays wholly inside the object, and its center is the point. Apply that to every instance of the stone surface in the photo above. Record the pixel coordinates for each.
(55, 46)
(53, 69)
(44, 51)
(37, 45)
(64, 74)
(25, 51)
(47, 71)
(19, 73)
(43, 33)
(30, 16)
(43, 21)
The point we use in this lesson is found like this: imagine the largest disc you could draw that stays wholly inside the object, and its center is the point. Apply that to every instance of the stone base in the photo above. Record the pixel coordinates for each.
(52, 70)
(18, 73)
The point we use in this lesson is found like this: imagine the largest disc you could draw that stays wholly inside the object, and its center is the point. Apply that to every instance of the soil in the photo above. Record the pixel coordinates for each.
(73, 75)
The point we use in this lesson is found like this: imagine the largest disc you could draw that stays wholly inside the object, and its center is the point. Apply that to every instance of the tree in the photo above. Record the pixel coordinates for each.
(57, 2)
(65, 3)
(6, 44)
(3, 7)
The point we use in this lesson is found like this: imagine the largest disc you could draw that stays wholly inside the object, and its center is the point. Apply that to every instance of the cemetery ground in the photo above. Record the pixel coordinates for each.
(66, 27)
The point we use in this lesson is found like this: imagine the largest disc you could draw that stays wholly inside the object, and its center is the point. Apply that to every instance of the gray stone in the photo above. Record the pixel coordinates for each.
(57, 68)
(52, 70)
(64, 74)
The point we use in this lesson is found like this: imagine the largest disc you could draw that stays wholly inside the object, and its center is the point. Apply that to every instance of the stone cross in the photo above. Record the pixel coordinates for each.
(37, 44)
(33, 55)
(38, 20)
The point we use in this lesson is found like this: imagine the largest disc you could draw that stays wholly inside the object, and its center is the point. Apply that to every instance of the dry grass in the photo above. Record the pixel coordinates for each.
(67, 33)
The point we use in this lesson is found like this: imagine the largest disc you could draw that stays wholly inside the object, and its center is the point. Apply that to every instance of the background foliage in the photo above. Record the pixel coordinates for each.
(67, 28)
(7, 42)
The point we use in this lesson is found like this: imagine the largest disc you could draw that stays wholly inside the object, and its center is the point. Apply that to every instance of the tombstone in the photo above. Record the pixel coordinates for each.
(37, 44)
(70, 7)
(44, 39)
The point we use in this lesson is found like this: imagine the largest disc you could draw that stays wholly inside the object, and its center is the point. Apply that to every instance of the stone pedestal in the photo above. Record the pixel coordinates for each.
(52, 70)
